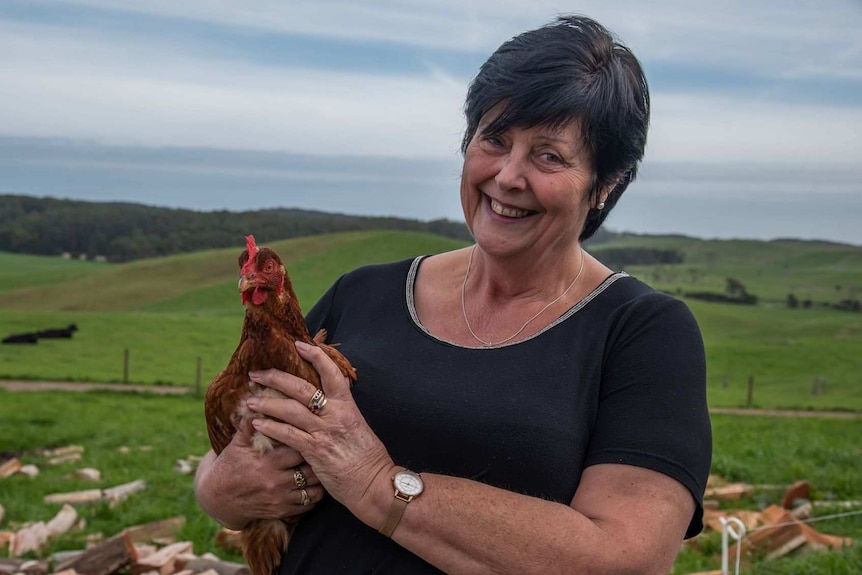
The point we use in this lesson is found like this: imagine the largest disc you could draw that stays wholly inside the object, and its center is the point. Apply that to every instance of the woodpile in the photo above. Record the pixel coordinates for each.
(148, 549)
(777, 530)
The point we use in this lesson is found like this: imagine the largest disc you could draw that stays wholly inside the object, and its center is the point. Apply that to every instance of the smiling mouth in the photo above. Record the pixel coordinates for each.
(497, 208)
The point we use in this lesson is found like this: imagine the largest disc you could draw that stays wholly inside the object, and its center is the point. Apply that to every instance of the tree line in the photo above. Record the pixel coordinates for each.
(121, 232)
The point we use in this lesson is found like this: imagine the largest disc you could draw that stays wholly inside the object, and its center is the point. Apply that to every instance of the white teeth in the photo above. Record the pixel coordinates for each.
(508, 212)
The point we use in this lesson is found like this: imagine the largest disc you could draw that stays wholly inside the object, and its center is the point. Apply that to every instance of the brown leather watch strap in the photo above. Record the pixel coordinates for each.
(395, 513)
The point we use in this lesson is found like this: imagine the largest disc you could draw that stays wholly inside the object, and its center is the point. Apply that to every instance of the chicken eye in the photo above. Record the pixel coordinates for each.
(269, 266)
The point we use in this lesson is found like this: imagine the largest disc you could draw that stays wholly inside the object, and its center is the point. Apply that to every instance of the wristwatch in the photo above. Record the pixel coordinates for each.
(408, 486)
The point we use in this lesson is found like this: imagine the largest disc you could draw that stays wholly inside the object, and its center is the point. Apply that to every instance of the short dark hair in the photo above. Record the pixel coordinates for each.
(571, 71)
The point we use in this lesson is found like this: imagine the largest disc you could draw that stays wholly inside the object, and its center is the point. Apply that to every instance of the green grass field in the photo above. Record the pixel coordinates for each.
(168, 312)
(158, 430)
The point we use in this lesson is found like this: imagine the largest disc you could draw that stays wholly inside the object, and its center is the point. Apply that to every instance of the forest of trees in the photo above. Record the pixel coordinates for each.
(122, 232)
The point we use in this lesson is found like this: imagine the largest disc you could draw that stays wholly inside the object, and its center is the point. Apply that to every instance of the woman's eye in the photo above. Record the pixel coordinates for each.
(494, 141)
(552, 158)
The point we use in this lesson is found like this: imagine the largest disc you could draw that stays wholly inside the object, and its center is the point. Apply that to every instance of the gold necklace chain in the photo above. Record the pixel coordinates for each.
(526, 323)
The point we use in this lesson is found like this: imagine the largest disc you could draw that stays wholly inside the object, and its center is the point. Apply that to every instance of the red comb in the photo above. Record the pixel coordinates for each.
(251, 247)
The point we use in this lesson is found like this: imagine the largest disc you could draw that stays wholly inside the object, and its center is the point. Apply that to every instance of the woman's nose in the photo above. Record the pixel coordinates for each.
(512, 171)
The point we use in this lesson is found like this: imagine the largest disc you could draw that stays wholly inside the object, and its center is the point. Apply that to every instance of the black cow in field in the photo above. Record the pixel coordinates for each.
(22, 338)
(58, 332)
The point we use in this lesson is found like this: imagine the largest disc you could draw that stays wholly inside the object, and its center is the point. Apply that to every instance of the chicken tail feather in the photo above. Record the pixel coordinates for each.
(263, 543)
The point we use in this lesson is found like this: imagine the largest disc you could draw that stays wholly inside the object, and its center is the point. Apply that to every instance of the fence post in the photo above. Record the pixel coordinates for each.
(750, 391)
(126, 365)
(198, 378)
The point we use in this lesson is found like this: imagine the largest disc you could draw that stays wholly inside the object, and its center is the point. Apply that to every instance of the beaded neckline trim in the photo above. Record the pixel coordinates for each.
(411, 307)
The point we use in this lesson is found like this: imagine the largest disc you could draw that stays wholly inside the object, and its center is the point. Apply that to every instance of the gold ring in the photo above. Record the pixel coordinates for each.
(299, 478)
(317, 402)
(304, 499)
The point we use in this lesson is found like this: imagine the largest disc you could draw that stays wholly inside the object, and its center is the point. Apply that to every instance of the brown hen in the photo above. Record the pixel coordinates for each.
(273, 322)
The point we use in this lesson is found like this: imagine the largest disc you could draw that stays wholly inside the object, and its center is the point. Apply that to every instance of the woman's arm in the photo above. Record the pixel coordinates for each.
(623, 519)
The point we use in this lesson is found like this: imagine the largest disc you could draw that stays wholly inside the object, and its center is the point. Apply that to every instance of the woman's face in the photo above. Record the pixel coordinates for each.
(526, 190)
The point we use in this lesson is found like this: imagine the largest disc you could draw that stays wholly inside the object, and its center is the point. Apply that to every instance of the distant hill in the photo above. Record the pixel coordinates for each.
(122, 232)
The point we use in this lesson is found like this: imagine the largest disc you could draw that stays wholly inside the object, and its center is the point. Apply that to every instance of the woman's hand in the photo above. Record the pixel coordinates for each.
(240, 484)
(337, 443)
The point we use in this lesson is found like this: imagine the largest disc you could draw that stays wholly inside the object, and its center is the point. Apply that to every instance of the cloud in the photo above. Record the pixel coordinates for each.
(59, 85)
(811, 39)
(725, 129)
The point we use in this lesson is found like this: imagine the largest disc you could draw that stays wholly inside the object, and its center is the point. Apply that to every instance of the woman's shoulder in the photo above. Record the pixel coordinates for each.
(381, 272)
(626, 295)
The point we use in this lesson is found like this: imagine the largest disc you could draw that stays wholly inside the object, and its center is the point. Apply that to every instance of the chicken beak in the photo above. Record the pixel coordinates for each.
(245, 284)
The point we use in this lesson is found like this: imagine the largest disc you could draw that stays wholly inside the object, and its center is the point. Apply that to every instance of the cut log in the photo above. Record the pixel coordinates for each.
(6, 539)
(782, 533)
(104, 558)
(121, 492)
(63, 521)
(9, 566)
(74, 497)
(824, 539)
(220, 567)
(144, 550)
(10, 467)
(112, 494)
(838, 504)
(29, 470)
(30, 538)
(799, 490)
(729, 492)
(162, 561)
(61, 451)
(61, 556)
(34, 567)
(803, 511)
(69, 458)
(89, 474)
(147, 532)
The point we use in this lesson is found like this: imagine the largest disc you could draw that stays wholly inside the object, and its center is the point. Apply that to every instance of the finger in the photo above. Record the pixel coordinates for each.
(284, 432)
(315, 494)
(307, 474)
(283, 457)
(290, 385)
(287, 410)
(244, 433)
(299, 505)
(334, 382)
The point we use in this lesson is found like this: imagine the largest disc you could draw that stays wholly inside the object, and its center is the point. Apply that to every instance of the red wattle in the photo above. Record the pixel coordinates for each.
(259, 296)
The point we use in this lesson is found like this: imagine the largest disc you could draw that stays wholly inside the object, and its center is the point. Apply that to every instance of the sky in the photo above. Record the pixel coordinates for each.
(356, 107)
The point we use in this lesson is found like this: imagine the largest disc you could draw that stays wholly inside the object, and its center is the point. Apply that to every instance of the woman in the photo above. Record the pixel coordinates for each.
(551, 412)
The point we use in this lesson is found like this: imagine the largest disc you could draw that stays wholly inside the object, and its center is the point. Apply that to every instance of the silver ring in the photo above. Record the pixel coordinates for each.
(299, 478)
(317, 402)
(304, 499)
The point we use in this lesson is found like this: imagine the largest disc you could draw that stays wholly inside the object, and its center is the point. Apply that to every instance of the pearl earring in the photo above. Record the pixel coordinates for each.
(600, 206)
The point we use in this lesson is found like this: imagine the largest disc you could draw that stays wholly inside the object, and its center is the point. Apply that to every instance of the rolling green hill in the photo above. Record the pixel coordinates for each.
(169, 311)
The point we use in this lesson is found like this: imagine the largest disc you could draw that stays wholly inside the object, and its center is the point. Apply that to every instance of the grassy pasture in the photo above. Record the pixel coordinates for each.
(819, 271)
(169, 311)
(161, 429)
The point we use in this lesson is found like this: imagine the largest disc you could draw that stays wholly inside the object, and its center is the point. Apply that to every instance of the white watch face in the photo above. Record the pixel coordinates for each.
(408, 483)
